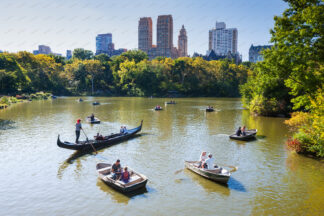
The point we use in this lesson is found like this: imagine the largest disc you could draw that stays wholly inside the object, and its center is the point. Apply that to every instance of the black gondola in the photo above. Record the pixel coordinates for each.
(250, 134)
(97, 144)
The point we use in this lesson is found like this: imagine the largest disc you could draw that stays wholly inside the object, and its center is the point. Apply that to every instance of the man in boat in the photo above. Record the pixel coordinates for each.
(78, 127)
(125, 176)
(122, 130)
(202, 159)
(209, 163)
(92, 117)
(238, 132)
(116, 170)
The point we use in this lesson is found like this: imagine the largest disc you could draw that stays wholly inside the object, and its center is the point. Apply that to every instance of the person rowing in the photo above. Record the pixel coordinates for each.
(92, 117)
(78, 127)
(116, 170)
(209, 163)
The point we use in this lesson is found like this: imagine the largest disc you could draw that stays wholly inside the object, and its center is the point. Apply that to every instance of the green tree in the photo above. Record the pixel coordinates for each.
(82, 54)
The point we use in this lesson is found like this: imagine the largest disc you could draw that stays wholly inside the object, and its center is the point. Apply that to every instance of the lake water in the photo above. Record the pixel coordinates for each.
(39, 178)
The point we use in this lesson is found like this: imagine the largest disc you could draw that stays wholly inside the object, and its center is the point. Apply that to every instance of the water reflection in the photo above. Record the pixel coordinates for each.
(208, 185)
(6, 124)
(120, 197)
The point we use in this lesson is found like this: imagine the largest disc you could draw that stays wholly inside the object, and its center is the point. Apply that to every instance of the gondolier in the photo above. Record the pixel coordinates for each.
(78, 127)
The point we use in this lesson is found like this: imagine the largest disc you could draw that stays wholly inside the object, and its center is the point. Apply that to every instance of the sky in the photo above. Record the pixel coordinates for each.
(70, 24)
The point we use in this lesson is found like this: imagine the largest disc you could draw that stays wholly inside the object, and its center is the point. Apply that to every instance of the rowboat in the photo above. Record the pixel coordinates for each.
(95, 121)
(170, 102)
(136, 181)
(158, 108)
(98, 144)
(95, 103)
(218, 174)
(250, 134)
(80, 100)
(210, 109)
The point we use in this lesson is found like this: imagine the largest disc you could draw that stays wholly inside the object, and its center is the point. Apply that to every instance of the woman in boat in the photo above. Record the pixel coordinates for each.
(99, 137)
(243, 131)
(78, 127)
(122, 130)
(238, 132)
(125, 176)
(202, 159)
(116, 170)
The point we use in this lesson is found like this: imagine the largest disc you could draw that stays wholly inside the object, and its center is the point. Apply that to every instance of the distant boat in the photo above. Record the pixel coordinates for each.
(250, 134)
(170, 102)
(219, 174)
(95, 103)
(95, 121)
(136, 181)
(210, 109)
(54, 97)
(80, 100)
(157, 108)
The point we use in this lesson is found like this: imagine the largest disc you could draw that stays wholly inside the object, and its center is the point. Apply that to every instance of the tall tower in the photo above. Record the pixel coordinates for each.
(164, 32)
(182, 42)
(145, 34)
(223, 40)
(103, 41)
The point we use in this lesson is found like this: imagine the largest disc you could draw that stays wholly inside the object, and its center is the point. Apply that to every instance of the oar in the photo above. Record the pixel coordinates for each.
(178, 171)
(90, 142)
(234, 168)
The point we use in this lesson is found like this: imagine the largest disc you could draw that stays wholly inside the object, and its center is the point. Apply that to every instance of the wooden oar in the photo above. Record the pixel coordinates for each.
(89, 142)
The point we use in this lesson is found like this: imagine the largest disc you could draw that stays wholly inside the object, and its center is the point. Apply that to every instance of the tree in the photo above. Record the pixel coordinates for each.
(82, 54)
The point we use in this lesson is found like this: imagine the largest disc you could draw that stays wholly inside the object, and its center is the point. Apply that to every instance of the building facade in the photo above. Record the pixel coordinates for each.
(223, 40)
(145, 34)
(255, 53)
(68, 54)
(103, 42)
(182, 42)
(43, 49)
(164, 37)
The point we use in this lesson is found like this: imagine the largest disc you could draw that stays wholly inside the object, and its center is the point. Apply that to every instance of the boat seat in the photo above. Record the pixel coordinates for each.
(132, 180)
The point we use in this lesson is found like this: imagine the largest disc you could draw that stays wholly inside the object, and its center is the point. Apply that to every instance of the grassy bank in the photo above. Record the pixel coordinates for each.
(6, 101)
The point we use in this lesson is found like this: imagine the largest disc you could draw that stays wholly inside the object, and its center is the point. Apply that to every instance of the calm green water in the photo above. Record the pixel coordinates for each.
(39, 178)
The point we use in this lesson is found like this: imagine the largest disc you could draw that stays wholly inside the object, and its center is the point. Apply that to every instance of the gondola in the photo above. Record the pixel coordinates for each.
(210, 109)
(250, 134)
(98, 144)
(218, 174)
(95, 121)
(137, 180)
(95, 103)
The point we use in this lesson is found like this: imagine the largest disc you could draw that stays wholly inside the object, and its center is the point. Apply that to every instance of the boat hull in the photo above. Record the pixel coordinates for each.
(219, 178)
(250, 135)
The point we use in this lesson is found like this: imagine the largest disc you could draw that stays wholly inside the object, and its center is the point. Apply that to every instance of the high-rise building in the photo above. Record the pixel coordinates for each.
(164, 37)
(68, 54)
(43, 49)
(255, 53)
(223, 40)
(103, 42)
(145, 34)
(182, 42)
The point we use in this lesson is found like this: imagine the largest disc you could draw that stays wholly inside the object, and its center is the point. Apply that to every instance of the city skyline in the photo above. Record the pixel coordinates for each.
(69, 25)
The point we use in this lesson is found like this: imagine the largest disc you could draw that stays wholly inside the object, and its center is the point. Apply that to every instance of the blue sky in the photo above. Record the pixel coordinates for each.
(69, 24)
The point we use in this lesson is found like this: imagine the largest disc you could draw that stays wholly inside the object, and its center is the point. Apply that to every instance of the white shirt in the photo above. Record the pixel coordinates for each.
(210, 163)
(203, 158)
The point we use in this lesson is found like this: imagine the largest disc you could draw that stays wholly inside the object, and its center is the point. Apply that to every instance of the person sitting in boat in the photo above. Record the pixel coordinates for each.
(78, 127)
(202, 159)
(99, 137)
(238, 132)
(116, 170)
(122, 130)
(243, 131)
(92, 117)
(209, 163)
(125, 176)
